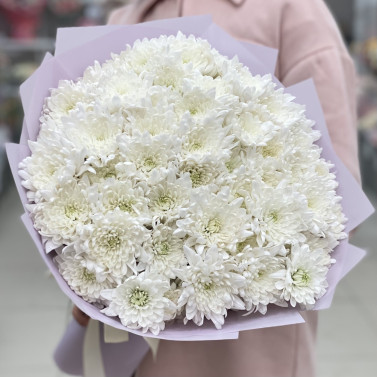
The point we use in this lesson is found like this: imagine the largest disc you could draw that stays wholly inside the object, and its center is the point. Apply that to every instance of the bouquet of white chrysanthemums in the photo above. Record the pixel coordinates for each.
(168, 182)
(173, 183)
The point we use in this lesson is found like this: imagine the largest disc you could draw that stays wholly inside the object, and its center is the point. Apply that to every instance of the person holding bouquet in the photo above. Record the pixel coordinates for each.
(310, 46)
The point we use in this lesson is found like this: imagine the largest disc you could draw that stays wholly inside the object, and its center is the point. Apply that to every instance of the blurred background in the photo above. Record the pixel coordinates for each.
(33, 311)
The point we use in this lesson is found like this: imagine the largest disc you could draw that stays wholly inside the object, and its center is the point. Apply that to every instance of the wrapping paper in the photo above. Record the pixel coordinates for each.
(77, 48)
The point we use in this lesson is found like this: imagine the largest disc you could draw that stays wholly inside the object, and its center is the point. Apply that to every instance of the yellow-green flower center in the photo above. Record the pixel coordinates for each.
(124, 205)
(110, 174)
(51, 170)
(271, 150)
(139, 298)
(100, 137)
(301, 278)
(70, 106)
(213, 226)
(165, 202)
(314, 203)
(111, 240)
(195, 146)
(261, 273)
(193, 110)
(149, 163)
(166, 80)
(274, 216)
(162, 248)
(230, 165)
(106, 172)
(208, 286)
(197, 175)
(251, 242)
(87, 276)
(72, 211)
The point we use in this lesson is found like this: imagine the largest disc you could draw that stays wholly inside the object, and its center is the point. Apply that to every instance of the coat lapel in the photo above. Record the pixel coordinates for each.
(141, 7)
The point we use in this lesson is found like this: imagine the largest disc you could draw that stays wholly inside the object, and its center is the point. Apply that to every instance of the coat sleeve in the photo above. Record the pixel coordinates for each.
(311, 47)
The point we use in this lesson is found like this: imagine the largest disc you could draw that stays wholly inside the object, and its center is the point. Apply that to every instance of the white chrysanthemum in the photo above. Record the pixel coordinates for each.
(235, 160)
(240, 182)
(153, 120)
(163, 70)
(280, 215)
(113, 241)
(328, 243)
(66, 98)
(214, 220)
(256, 266)
(303, 137)
(163, 100)
(82, 276)
(209, 139)
(303, 281)
(274, 172)
(320, 203)
(126, 85)
(198, 53)
(137, 57)
(163, 252)
(147, 156)
(254, 131)
(170, 197)
(95, 133)
(209, 287)
(52, 162)
(205, 172)
(107, 170)
(173, 294)
(202, 104)
(276, 148)
(63, 213)
(250, 89)
(279, 107)
(140, 303)
(123, 195)
(245, 246)
(324, 204)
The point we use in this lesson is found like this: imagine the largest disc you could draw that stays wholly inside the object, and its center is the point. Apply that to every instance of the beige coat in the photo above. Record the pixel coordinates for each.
(309, 45)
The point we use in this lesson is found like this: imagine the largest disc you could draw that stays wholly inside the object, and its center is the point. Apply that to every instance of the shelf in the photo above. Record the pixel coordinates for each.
(37, 44)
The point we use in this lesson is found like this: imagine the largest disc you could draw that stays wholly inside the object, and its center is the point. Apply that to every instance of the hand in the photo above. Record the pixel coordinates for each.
(352, 232)
(81, 318)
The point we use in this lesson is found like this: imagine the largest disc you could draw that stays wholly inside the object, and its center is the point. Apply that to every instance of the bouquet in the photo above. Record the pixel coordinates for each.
(173, 181)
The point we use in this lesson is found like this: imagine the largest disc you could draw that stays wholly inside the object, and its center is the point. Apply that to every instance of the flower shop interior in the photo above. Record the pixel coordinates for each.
(347, 336)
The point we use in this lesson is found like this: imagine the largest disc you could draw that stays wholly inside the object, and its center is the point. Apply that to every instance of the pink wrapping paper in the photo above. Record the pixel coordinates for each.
(78, 48)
